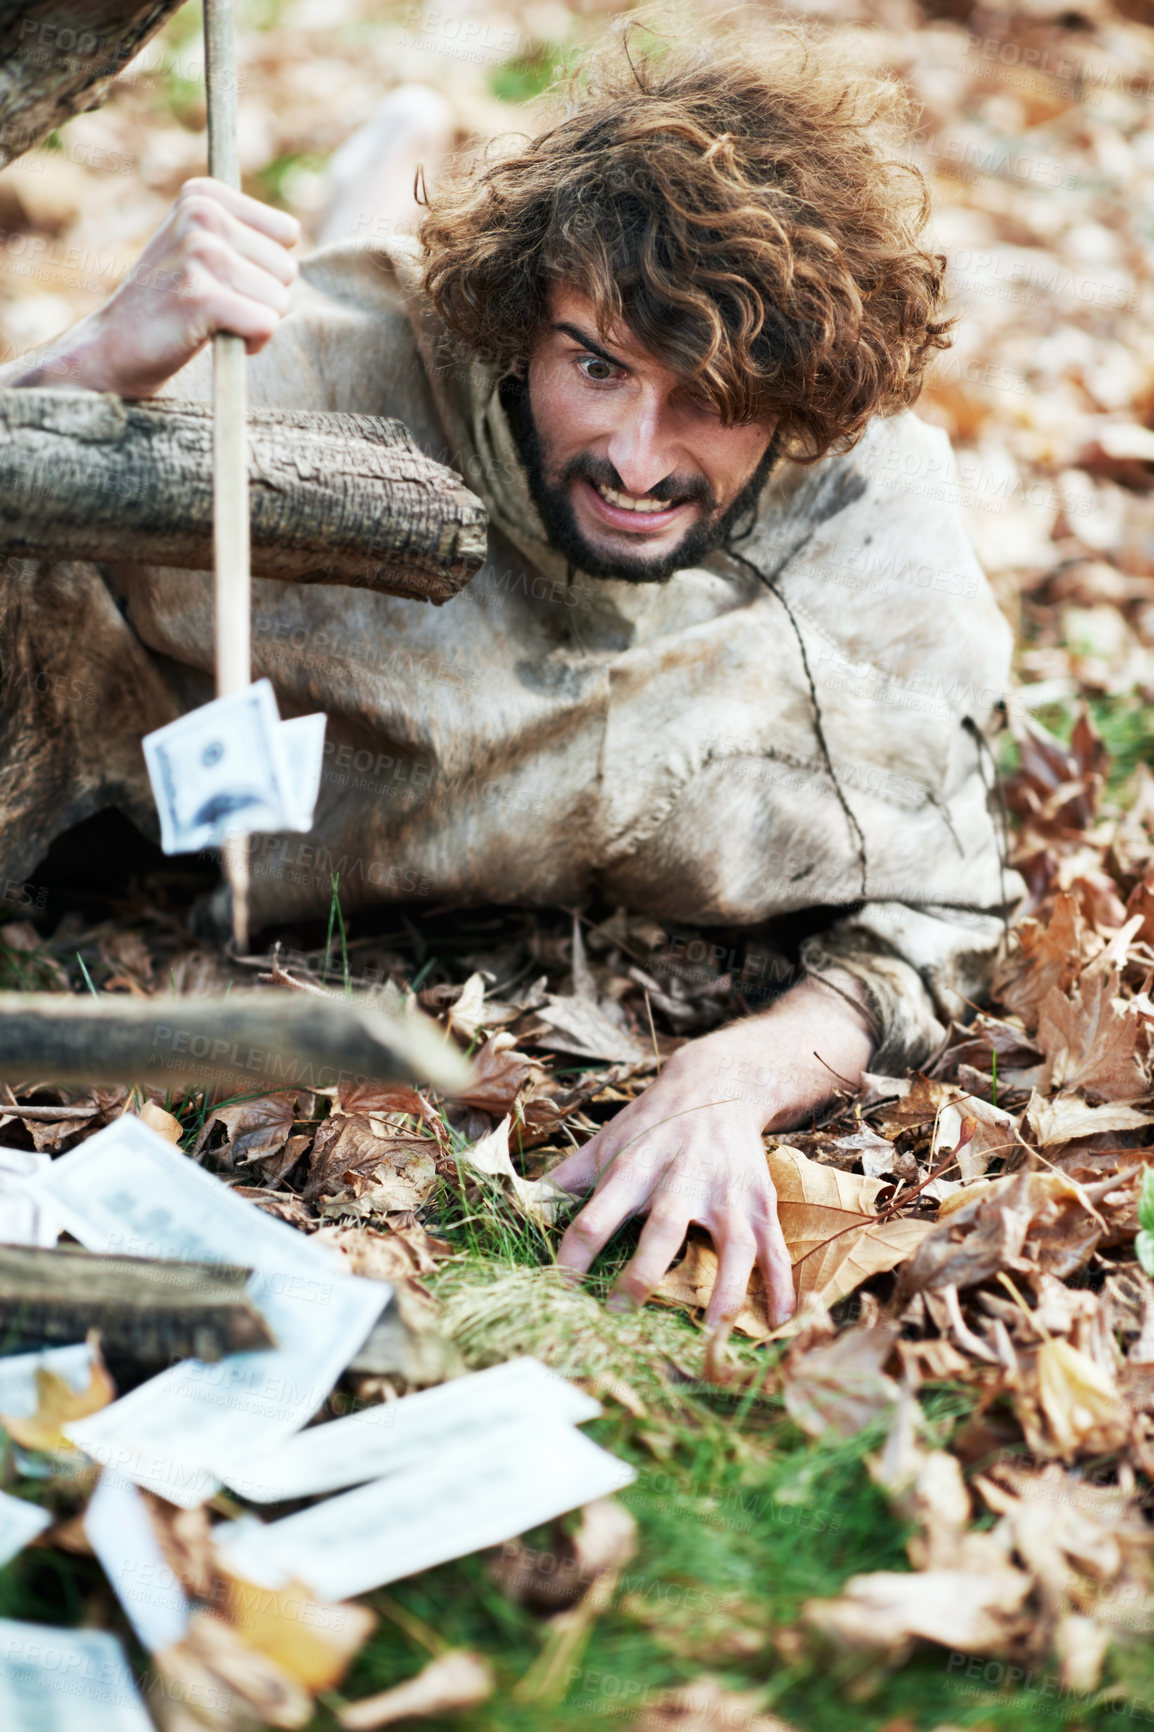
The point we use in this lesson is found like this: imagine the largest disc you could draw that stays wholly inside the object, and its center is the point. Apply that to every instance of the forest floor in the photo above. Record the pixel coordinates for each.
(928, 1506)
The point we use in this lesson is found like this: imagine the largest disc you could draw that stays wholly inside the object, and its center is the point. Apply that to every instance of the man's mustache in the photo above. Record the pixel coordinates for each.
(673, 490)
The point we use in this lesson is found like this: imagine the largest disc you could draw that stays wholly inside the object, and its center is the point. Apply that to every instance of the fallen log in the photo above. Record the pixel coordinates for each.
(147, 1309)
(250, 1040)
(59, 57)
(342, 499)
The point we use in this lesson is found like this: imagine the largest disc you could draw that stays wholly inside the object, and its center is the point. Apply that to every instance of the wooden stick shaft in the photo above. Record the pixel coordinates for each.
(229, 437)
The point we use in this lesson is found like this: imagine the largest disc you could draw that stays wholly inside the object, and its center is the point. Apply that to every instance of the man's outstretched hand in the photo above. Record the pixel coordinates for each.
(690, 1150)
(220, 261)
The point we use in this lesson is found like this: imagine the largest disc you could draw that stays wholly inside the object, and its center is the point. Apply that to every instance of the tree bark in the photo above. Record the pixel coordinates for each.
(149, 1310)
(251, 1039)
(342, 499)
(59, 58)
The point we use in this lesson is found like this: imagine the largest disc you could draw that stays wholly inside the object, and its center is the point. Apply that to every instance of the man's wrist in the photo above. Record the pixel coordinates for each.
(734, 1066)
(783, 1064)
(78, 360)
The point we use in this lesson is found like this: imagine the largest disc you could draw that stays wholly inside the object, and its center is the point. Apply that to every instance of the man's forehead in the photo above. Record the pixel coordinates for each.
(569, 306)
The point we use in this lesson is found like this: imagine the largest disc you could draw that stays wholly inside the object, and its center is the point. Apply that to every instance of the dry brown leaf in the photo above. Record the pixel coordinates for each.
(1083, 1408)
(974, 1611)
(500, 1072)
(706, 1705)
(128, 957)
(1081, 1645)
(212, 1654)
(285, 1205)
(58, 1404)
(311, 1641)
(1141, 902)
(839, 1385)
(390, 1098)
(605, 1540)
(1065, 1117)
(1026, 1221)
(399, 1171)
(1090, 1040)
(389, 1254)
(1048, 959)
(467, 1012)
(538, 1198)
(834, 1241)
(163, 1123)
(253, 1129)
(452, 1682)
(581, 1027)
(976, 1133)
(399, 1184)
(185, 1538)
(692, 1282)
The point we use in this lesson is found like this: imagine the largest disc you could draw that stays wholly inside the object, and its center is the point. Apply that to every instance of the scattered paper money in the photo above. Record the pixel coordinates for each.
(127, 1190)
(19, 1391)
(22, 1221)
(20, 1522)
(232, 767)
(303, 743)
(66, 1680)
(400, 1434)
(123, 1538)
(461, 1501)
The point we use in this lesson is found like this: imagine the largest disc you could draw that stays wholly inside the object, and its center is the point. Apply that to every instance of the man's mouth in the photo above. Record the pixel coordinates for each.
(634, 511)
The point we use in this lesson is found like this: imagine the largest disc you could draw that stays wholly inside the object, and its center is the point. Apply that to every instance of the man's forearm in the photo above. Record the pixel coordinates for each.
(790, 1059)
(76, 358)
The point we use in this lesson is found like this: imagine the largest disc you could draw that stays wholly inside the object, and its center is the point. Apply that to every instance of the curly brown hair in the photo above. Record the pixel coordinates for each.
(740, 211)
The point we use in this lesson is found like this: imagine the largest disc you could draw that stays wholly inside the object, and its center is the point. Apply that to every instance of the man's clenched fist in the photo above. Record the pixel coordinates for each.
(219, 262)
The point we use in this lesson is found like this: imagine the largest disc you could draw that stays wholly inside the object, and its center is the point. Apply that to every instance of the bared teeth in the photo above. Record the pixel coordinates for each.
(630, 501)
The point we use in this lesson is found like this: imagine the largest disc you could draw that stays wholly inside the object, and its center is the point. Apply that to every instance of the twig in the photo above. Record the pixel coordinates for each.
(233, 599)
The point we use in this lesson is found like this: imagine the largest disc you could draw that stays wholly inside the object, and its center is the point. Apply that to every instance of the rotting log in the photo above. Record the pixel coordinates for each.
(342, 499)
(148, 1310)
(250, 1040)
(59, 58)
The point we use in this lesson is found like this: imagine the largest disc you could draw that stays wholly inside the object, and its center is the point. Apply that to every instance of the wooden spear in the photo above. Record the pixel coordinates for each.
(231, 558)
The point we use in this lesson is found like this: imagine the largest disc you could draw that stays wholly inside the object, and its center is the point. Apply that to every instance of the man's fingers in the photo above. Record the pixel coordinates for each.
(578, 1171)
(660, 1241)
(277, 224)
(593, 1228)
(262, 252)
(230, 271)
(773, 1261)
(737, 1253)
(255, 321)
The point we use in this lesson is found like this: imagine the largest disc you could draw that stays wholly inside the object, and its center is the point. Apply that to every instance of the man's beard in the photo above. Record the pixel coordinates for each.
(711, 528)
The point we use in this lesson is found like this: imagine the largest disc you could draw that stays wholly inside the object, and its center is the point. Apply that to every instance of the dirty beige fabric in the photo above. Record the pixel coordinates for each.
(535, 739)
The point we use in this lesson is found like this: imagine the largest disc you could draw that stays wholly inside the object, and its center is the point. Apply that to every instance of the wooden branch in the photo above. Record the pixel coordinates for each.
(147, 1309)
(248, 1041)
(59, 57)
(334, 498)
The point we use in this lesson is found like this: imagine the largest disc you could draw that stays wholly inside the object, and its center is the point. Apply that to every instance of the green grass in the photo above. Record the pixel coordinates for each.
(1125, 723)
(529, 75)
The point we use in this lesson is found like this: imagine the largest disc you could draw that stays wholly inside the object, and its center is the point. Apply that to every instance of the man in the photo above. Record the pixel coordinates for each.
(731, 656)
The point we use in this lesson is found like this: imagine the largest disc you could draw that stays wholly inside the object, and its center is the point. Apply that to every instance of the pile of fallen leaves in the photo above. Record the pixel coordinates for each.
(984, 1216)
(970, 1229)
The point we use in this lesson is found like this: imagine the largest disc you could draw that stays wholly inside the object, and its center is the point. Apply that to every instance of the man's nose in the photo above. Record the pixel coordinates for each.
(640, 447)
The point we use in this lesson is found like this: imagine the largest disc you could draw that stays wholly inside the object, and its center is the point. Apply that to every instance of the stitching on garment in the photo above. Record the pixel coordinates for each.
(818, 725)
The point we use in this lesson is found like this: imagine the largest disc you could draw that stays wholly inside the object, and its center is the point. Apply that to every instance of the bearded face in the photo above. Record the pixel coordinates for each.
(633, 474)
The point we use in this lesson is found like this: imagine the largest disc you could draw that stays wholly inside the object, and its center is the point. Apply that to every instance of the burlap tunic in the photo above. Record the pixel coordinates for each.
(536, 740)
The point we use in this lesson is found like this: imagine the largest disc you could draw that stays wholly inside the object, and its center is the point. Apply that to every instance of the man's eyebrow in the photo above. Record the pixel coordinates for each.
(587, 342)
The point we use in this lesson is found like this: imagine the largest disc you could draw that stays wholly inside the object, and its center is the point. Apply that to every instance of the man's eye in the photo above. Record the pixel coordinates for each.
(588, 362)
